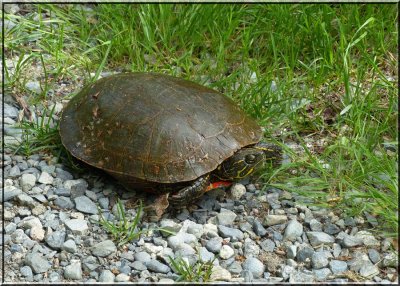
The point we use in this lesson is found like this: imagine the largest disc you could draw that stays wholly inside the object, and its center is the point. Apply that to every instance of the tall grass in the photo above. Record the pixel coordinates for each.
(324, 76)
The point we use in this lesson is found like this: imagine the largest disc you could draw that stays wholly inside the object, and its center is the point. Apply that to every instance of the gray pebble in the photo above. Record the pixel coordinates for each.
(315, 225)
(26, 271)
(185, 250)
(10, 193)
(359, 259)
(337, 266)
(320, 259)
(26, 200)
(386, 244)
(170, 225)
(235, 268)
(156, 266)
(232, 233)
(259, 228)
(77, 226)
(226, 252)
(104, 248)
(275, 219)
(37, 262)
(220, 274)
(74, 270)
(317, 238)
(369, 271)
(286, 270)
(54, 277)
(10, 228)
(247, 275)
(255, 266)
(267, 245)
(367, 238)
(196, 229)
(390, 260)
(91, 195)
(304, 252)
(237, 191)
(214, 244)
(301, 276)
(291, 251)
(45, 178)
(293, 230)
(63, 175)
(104, 202)
(56, 239)
(246, 227)
(205, 255)
(27, 182)
(331, 228)
(77, 187)
(41, 198)
(89, 263)
(10, 111)
(251, 249)
(14, 172)
(122, 278)
(106, 276)
(322, 274)
(336, 249)
(142, 256)
(175, 241)
(62, 192)
(139, 265)
(226, 217)
(351, 241)
(69, 246)
(64, 203)
(85, 205)
(349, 221)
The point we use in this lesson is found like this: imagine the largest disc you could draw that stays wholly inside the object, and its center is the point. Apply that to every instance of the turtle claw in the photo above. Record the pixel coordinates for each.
(190, 193)
(158, 207)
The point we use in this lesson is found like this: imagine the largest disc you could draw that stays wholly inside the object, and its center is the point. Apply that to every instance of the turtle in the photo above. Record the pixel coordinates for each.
(165, 135)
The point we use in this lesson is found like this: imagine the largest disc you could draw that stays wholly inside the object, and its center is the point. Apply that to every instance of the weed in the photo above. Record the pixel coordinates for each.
(122, 229)
(199, 272)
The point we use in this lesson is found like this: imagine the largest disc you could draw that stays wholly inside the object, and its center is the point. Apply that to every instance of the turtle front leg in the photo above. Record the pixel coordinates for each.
(190, 193)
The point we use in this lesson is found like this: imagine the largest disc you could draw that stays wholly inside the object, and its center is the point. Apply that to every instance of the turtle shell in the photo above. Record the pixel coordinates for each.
(154, 127)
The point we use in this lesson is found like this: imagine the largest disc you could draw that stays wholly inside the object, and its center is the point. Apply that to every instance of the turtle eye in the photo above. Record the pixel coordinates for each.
(250, 159)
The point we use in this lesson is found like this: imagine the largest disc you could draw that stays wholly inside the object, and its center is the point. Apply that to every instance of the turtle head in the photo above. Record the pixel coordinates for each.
(247, 160)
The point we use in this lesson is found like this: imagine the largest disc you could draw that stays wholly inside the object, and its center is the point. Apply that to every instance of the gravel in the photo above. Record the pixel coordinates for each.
(56, 239)
(37, 262)
(233, 233)
(73, 271)
(85, 205)
(104, 248)
(293, 230)
(77, 226)
(106, 276)
(226, 252)
(337, 266)
(255, 266)
(252, 233)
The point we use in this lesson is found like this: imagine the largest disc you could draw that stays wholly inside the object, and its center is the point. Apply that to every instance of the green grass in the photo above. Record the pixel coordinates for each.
(124, 229)
(334, 69)
(198, 272)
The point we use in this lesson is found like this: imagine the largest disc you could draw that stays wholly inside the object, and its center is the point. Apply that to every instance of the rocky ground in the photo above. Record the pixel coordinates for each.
(51, 235)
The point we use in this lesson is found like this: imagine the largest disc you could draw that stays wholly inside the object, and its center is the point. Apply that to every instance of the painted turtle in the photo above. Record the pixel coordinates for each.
(162, 134)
